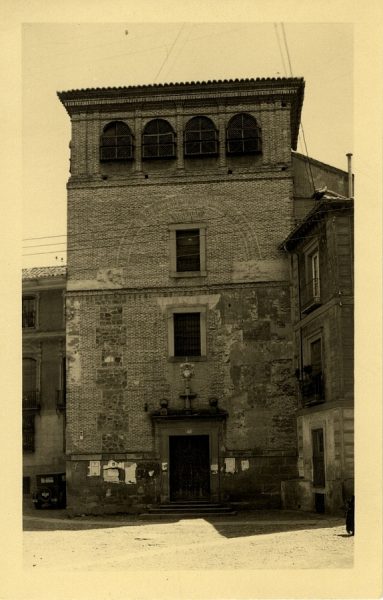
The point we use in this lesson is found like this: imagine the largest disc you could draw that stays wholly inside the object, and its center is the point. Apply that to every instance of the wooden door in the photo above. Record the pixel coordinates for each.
(189, 467)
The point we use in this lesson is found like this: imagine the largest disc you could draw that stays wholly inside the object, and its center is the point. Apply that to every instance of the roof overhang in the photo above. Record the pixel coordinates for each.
(285, 89)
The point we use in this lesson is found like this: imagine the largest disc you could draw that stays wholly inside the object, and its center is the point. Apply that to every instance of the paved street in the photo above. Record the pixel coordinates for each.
(249, 540)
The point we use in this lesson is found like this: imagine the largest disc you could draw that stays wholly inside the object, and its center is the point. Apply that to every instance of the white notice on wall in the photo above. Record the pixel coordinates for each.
(230, 465)
(94, 468)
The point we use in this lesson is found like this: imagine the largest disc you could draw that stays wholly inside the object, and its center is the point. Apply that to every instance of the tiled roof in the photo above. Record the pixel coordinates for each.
(270, 81)
(43, 273)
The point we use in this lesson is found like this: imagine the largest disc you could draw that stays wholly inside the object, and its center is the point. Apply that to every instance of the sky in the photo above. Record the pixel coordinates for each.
(65, 56)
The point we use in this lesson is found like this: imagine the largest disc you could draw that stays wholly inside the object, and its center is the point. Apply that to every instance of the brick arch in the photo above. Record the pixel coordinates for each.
(231, 216)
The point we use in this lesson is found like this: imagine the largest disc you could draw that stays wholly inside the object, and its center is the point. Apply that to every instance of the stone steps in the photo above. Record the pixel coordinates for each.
(188, 510)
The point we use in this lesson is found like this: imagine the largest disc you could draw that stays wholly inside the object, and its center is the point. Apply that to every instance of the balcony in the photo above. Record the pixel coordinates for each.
(31, 400)
(312, 389)
(310, 296)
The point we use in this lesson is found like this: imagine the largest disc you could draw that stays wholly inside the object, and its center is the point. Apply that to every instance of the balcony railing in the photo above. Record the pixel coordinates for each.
(310, 295)
(28, 441)
(312, 389)
(29, 319)
(31, 400)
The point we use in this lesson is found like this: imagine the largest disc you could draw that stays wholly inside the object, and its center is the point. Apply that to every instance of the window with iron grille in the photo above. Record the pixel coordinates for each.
(187, 334)
(200, 137)
(243, 135)
(29, 312)
(28, 433)
(116, 142)
(158, 140)
(188, 250)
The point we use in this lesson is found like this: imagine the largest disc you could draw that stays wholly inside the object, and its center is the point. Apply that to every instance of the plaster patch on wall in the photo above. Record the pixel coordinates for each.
(111, 277)
(244, 465)
(230, 465)
(73, 358)
(151, 473)
(164, 466)
(130, 473)
(214, 468)
(260, 270)
(211, 300)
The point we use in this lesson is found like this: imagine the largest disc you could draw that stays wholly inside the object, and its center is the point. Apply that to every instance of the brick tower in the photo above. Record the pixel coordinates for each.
(180, 382)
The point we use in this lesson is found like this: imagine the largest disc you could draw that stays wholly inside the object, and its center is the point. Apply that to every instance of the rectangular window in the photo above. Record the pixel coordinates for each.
(319, 479)
(187, 250)
(314, 274)
(28, 433)
(29, 312)
(187, 334)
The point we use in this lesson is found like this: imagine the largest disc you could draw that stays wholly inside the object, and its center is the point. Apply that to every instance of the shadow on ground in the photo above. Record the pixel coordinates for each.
(244, 523)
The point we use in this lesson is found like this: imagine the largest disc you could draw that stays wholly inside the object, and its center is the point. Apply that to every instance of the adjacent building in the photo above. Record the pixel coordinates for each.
(43, 373)
(321, 251)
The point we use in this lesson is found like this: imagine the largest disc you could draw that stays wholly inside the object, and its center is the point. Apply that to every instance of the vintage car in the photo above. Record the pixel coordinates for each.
(50, 491)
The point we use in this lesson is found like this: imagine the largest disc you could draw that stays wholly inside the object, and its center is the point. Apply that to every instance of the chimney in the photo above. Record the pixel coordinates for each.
(350, 190)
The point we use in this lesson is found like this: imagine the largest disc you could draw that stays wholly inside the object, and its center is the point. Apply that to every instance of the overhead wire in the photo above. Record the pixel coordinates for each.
(301, 123)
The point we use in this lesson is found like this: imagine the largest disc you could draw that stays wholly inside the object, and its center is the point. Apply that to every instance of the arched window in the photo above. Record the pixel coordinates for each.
(158, 140)
(116, 142)
(243, 135)
(200, 137)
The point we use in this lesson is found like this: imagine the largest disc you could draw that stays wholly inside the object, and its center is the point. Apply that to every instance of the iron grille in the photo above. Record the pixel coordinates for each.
(187, 336)
(28, 433)
(188, 250)
(29, 312)
(200, 137)
(243, 135)
(158, 140)
(31, 400)
(116, 142)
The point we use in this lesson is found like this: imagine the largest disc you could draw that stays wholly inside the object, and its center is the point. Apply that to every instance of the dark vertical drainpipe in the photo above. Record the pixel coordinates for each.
(350, 186)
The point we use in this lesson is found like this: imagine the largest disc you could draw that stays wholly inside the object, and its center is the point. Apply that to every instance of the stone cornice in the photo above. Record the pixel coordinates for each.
(178, 95)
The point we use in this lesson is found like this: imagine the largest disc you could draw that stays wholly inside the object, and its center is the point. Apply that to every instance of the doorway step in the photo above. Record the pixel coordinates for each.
(188, 509)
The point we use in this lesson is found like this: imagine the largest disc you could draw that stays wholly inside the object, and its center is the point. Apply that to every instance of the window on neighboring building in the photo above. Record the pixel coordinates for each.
(187, 334)
(313, 273)
(200, 137)
(28, 433)
(30, 393)
(310, 292)
(319, 479)
(243, 135)
(313, 389)
(158, 140)
(116, 142)
(29, 312)
(187, 250)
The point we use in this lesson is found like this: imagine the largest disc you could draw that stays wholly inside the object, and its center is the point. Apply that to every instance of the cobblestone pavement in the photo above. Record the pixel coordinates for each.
(249, 540)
